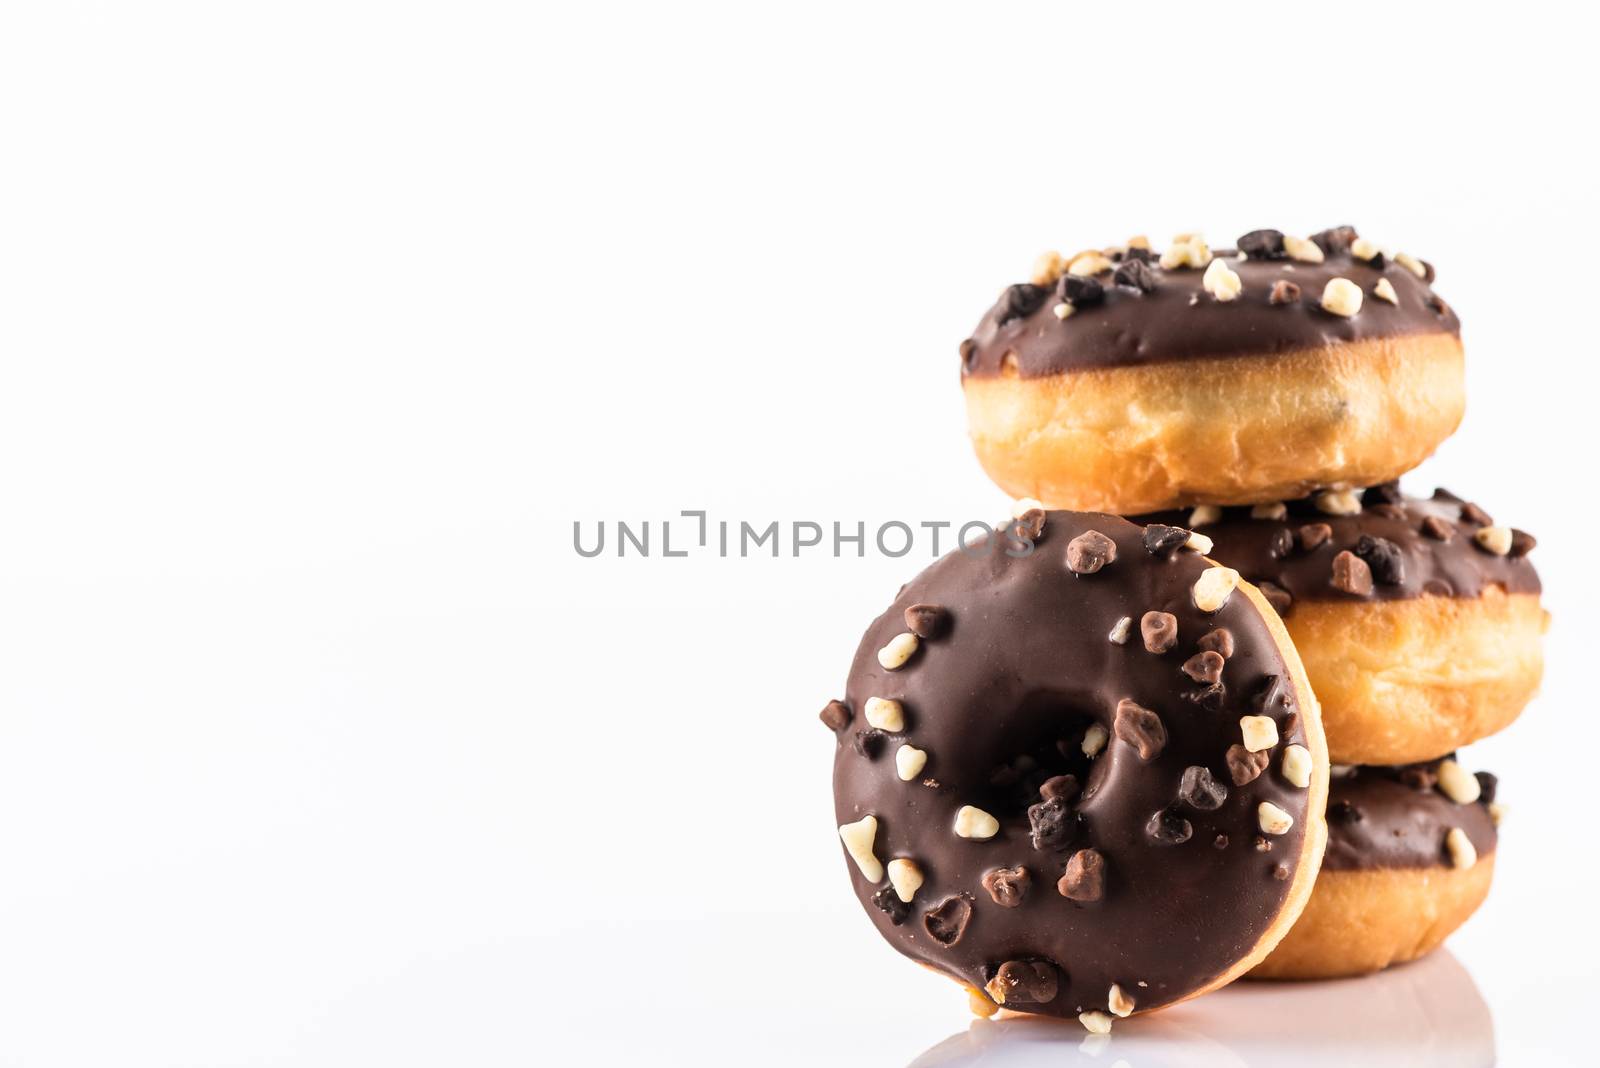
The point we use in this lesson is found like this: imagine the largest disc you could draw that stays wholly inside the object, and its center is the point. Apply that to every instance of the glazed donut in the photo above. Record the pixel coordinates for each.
(1410, 856)
(1079, 771)
(1418, 620)
(1132, 383)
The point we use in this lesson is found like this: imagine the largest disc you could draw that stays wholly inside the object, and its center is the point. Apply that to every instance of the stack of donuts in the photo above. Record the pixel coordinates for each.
(1192, 711)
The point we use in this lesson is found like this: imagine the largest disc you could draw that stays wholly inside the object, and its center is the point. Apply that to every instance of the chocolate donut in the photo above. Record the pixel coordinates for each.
(1129, 382)
(1419, 621)
(1410, 856)
(1079, 770)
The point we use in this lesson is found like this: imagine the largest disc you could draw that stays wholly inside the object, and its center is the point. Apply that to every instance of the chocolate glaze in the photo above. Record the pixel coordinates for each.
(1453, 568)
(1179, 320)
(1025, 663)
(1377, 819)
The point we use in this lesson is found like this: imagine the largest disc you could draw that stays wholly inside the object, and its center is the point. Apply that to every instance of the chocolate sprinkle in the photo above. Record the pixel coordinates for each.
(1351, 574)
(836, 714)
(1080, 291)
(1028, 981)
(926, 620)
(1051, 824)
(1243, 765)
(1199, 789)
(1140, 728)
(1169, 828)
(1089, 552)
(1159, 630)
(1163, 540)
(1313, 535)
(1283, 292)
(1262, 244)
(1065, 787)
(1007, 886)
(1085, 877)
(1204, 667)
(1020, 300)
(1382, 558)
(1135, 274)
(1219, 641)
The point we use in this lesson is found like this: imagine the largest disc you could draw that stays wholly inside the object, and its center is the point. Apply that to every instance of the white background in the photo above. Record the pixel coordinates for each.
(321, 323)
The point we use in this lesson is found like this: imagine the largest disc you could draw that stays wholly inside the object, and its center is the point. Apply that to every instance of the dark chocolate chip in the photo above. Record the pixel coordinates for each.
(1021, 299)
(1089, 552)
(1030, 524)
(1007, 886)
(836, 714)
(1163, 540)
(869, 743)
(1262, 244)
(1051, 824)
(1219, 641)
(1351, 574)
(1243, 765)
(889, 901)
(1168, 828)
(1159, 630)
(1283, 292)
(1204, 667)
(1335, 240)
(1488, 785)
(1210, 698)
(1138, 255)
(947, 921)
(1200, 789)
(1384, 493)
(1135, 274)
(1345, 812)
(1473, 514)
(1085, 877)
(1281, 543)
(1029, 982)
(1079, 291)
(926, 620)
(1065, 787)
(1140, 728)
(1313, 535)
(1279, 598)
(1522, 543)
(1383, 558)
(1438, 529)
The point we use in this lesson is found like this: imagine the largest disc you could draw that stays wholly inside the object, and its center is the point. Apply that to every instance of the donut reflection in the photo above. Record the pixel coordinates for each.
(1429, 1012)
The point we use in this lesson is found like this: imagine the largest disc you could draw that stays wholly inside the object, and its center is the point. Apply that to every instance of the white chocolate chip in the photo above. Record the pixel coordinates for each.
(1270, 510)
(1063, 310)
(1086, 264)
(1496, 539)
(1341, 297)
(1297, 765)
(1457, 783)
(1259, 732)
(1272, 819)
(909, 762)
(1046, 269)
(1462, 852)
(976, 823)
(1094, 739)
(898, 651)
(1411, 263)
(1187, 250)
(857, 838)
(1121, 1004)
(1497, 812)
(905, 877)
(1338, 502)
(1362, 249)
(1119, 633)
(1222, 282)
(1205, 515)
(1213, 588)
(1300, 249)
(885, 714)
(1199, 543)
(1096, 1023)
(1384, 290)
(1023, 505)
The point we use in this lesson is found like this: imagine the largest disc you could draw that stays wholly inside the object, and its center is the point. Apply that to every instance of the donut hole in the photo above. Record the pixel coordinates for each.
(1044, 740)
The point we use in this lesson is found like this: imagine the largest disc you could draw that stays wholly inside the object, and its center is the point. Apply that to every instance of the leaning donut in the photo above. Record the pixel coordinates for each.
(1419, 621)
(1127, 382)
(1410, 856)
(1079, 770)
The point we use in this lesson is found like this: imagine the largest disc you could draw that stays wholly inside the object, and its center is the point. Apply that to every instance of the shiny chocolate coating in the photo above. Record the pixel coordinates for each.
(1178, 320)
(1380, 817)
(1182, 882)
(1276, 552)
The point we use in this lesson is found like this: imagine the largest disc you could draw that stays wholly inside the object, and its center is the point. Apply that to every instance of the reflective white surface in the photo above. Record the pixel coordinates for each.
(1426, 1013)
